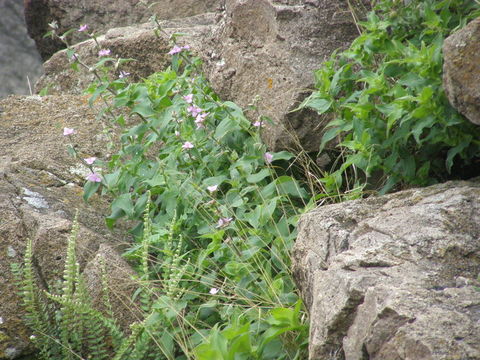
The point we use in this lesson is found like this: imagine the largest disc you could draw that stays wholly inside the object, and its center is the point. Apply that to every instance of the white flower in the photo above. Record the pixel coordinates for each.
(222, 222)
(214, 291)
(212, 188)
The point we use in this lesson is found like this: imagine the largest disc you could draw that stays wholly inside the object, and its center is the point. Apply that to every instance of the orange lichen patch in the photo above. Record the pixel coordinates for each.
(270, 83)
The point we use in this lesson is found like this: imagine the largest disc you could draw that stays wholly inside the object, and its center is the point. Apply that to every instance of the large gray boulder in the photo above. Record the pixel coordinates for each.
(461, 70)
(40, 191)
(19, 58)
(101, 15)
(139, 42)
(393, 277)
(269, 50)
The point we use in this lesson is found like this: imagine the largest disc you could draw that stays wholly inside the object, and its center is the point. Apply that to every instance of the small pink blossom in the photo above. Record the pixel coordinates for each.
(188, 98)
(68, 131)
(214, 291)
(187, 145)
(94, 177)
(257, 124)
(212, 188)
(83, 28)
(123, 74)
(200, 119)
(177, 133)
(186, 47)
(268, 157)
(90, 160)
(175, 50)
(222, 222)
(194, 110)
(104, 52)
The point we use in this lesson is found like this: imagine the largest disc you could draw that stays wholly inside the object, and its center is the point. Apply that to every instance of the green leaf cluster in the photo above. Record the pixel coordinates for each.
(64, 323)
(216, 220)
(385, 98)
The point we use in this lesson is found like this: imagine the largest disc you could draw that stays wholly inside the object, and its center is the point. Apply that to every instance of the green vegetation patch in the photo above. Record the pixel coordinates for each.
(216, 212)
(385, 97)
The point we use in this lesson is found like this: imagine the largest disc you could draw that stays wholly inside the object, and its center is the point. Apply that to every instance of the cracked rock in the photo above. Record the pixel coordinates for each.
(34, 203)
(393, 277)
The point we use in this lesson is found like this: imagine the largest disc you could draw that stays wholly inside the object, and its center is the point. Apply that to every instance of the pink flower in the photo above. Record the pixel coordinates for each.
(222, 222)
(123, 74)
(90, 160)
(268, 157)
(177, 133)
(68, 131)
(83, 28)
(175, 50)
(194, 110)
(200, 119)
(186, 47)
(212, 188)
(187, 145)
(104, 52)
(257, 124)
(214, 291)
(94, 177)
(188, 98)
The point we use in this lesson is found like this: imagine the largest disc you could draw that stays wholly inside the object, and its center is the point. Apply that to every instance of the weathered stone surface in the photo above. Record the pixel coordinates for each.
(100, 15)
(393, 277)
(257, 49)
(269, 49)
(19, 59)
(40, 190)
(109, 265)
(461, 70)
(135, 42)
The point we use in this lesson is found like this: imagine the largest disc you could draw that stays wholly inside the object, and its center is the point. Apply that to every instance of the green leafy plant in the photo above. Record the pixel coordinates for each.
(216, 215)
(222, 215)
(63, 322)
(385, 97)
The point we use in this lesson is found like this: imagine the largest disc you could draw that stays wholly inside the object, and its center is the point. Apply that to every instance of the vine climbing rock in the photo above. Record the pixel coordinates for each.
(100, 15)
(395, 276)
(40, 190)
(461, 70)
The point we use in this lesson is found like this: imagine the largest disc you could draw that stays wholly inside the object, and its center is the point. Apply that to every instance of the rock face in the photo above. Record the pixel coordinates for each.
(394, 277)
(100, 15)
(39, 194)
(461, 70)
(258, 49)
(269, 49)
(19, 59)
(150, 53)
